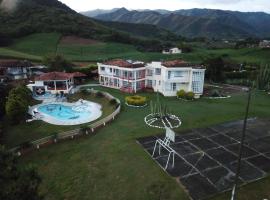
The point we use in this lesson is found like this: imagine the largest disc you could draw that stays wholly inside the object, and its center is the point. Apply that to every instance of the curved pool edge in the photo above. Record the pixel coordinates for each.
(96, 113)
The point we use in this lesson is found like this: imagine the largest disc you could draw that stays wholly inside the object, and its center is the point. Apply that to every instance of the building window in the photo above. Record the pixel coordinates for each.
(149, 72)
(178, 74)
(169, 74)
(173, 86)
(102, 68)
(149, 83)
(158, 71)
(110, 70)
(159, 82)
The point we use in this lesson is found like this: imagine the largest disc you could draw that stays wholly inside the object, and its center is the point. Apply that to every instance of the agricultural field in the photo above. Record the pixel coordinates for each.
(36, 46)
(111, 165)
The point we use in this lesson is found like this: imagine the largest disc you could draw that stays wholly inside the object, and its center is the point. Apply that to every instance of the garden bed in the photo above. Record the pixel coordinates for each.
(136, 101)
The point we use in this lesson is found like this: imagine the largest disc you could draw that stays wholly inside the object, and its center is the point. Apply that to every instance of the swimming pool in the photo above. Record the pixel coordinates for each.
(68, 113)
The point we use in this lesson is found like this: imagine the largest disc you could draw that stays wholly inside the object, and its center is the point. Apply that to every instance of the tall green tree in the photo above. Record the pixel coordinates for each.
(215, 69)
(17, 103)
(4, 90)
(17, 183)
(57, 63)
(263, 80)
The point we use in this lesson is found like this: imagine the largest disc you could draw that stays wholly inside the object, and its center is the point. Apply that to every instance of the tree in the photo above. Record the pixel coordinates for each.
(57, 63)
(4, 90)
(214, 69)
(17, 183)
(17, 103)
(185, 47)
(263, 80)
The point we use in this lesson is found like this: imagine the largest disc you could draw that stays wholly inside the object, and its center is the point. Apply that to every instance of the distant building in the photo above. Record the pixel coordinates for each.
(54, 82)
(172, 51)
(164, 77)
(264, 44)
(15, 69)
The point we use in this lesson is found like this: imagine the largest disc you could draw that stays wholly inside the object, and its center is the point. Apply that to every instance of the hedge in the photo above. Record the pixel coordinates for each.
(136, 100)
(182, 94)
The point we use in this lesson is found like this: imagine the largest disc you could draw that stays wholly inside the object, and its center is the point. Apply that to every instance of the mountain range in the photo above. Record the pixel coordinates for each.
(208, 23)
(37, 16)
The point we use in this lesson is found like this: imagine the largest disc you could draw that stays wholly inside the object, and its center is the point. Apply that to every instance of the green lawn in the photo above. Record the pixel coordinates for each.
(111, 165)
(15, 135)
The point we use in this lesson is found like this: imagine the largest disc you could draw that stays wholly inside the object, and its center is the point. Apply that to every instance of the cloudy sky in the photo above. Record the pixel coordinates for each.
(241, 5)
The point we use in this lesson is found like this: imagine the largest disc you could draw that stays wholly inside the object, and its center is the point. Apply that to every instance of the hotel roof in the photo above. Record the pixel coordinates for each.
(179, 63)
(53, 76)
(124, 63)
(15, 63)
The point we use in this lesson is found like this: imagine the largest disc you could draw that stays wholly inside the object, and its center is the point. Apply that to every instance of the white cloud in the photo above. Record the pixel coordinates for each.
(241, 5)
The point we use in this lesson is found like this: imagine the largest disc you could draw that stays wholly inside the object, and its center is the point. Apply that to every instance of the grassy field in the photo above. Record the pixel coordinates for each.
(111, 165)
(15, 135)
(36, 46)
(9, 53)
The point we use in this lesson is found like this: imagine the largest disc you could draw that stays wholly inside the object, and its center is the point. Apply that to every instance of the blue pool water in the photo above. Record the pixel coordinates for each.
(62, 112)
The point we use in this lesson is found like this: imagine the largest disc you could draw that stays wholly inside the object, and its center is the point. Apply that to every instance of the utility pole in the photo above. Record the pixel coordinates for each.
(241, 148)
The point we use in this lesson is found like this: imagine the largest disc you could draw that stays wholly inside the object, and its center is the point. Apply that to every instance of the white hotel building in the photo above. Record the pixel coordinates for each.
(165, 77)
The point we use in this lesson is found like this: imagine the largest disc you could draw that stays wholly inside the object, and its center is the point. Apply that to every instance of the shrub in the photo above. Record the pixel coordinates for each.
(99, 94)
(190, 95)
(55, 136)
(215, 93)
(84, 91)
(136, 100)
(84, 128)
(181, 94)
(25, 145)
(113, 102)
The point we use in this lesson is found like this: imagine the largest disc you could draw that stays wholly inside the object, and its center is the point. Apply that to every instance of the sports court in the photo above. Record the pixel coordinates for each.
(206, 158)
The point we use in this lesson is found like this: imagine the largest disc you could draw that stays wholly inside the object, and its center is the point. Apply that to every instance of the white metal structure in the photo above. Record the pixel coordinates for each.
(164, 77)
(170, 137)
(154, 119)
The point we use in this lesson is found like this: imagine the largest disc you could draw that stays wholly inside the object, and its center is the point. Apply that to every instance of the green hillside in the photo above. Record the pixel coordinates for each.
(32, 16)
(36, 46)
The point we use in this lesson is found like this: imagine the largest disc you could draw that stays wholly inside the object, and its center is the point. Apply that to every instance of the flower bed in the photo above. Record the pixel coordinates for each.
(136, 101)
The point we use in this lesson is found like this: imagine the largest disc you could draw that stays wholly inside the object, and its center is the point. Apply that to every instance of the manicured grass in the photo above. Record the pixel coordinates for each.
(15, 135)
(111, 165)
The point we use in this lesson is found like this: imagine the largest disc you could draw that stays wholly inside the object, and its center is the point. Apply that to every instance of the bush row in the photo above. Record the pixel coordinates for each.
(185, 95)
